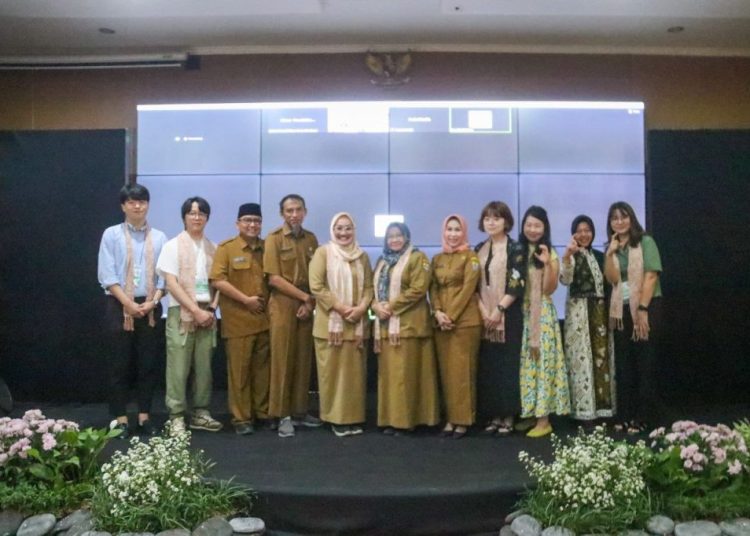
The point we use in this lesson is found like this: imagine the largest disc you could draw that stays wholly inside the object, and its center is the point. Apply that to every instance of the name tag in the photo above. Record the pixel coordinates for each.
(136, 276)
(201, 286)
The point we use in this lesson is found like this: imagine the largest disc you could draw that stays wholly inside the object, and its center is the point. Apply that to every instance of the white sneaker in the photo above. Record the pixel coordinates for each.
(176, 426)
(286, 428)
(202, 420)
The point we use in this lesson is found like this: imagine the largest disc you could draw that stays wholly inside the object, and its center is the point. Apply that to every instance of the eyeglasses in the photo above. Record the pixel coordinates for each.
(251, 221)
(199, 215)
(136, 202)
(622, 217)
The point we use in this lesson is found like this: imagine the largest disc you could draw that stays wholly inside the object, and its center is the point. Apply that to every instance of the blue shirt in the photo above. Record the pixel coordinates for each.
(113, 256)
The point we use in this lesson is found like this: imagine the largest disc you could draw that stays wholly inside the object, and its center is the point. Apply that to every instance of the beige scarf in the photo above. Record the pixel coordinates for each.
(635, 282)
(187, 260)
(148, 257)
(492, 291)
(394, 290)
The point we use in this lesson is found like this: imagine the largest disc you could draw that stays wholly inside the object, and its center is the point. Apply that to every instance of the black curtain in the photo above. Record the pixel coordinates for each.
(699, 203)
(58, 192)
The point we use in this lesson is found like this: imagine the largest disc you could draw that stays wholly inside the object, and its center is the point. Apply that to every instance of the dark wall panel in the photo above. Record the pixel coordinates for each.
(700, 213)
(58, 191)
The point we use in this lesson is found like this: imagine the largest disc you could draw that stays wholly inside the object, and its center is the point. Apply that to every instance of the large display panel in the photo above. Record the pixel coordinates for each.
(418, 161)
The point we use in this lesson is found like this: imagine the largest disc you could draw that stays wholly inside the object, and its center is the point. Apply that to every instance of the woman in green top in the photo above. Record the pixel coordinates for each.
(632, 265)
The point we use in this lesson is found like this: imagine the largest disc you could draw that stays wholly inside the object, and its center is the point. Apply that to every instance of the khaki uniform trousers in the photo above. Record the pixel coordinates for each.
(291, 357)
(457, 353)
(186, 351)
(248, 376)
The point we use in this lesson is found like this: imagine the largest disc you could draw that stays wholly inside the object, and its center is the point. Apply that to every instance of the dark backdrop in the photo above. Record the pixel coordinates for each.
(699, 203)
(58, 192)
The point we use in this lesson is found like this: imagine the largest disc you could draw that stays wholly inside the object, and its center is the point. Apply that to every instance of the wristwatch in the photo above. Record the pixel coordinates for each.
(642, 307)
(501, 308)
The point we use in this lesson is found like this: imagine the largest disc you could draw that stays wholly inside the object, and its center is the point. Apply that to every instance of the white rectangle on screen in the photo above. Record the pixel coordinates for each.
(382, 221)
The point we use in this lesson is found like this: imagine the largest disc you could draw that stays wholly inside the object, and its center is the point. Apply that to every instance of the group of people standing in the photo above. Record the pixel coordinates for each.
(472, 334)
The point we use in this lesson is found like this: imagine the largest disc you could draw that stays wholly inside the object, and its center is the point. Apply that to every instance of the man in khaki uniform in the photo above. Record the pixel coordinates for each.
(288, 250)
(237, 272)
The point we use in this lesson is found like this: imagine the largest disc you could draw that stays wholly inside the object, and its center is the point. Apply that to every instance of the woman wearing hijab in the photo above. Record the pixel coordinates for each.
(544, 374)
(341, 281)
(407, 372)
(501, 288)
(455, 273)
(587, 342)
(632, 265)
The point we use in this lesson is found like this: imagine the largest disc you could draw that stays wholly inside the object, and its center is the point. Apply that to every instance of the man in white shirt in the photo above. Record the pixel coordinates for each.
(185, 263)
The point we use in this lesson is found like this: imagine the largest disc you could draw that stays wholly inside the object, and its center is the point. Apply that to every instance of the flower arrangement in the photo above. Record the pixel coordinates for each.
(698, 468)
(160, 485)
(593, 483)
(47, 464)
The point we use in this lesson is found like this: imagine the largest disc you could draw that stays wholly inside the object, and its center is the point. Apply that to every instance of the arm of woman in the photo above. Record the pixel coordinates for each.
(418, 269)
(551, 273)
(318, 277)
(610, 268)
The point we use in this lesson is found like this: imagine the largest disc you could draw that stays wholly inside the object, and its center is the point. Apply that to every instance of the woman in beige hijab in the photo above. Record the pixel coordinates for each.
(341, 281)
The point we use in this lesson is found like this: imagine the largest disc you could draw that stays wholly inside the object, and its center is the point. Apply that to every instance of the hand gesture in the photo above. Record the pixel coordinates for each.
(614, 245)
(542, 254)
(572, 248)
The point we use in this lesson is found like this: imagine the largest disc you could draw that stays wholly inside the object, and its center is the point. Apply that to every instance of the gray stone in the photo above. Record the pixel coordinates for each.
(736, 527)
(507, 531)
(10, 520)
(72, 519)
(557, 531)
(697, 528)
(174, 532)
(513, 515)
(248, 525)
(84, 525)
(140, 533)
(525, 525)
(36, 525)
(660, 525)
(216, 526)
(96, 533)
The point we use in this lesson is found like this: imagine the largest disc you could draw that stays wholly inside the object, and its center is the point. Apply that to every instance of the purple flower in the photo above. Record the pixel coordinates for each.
(48, 442)
(734, 468)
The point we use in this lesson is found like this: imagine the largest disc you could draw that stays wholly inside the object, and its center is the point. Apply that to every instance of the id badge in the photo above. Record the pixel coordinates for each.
(201, 286)
(136, 276)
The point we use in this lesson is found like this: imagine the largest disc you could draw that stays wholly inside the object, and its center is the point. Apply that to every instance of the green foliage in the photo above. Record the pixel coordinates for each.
(35, 498)
(594, 484)
(161, 485)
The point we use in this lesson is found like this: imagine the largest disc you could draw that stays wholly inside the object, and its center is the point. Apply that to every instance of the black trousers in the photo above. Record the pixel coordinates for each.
(132, 354)
(638, 395)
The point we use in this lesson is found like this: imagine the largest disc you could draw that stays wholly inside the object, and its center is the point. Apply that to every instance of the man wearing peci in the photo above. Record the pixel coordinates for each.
(288, 250)
(237, 273)
(132, 315)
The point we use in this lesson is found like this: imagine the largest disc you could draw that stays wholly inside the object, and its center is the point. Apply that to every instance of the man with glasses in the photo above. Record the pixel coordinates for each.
(185, 263)
(132, 315)
(237, 273)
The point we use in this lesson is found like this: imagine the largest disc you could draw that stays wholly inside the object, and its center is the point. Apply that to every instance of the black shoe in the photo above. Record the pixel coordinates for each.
(146, 428)
(124, 430)
(244, 428)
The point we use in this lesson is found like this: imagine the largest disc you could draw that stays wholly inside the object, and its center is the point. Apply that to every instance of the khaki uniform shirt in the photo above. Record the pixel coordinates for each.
(325, 299)
(411, 303)
(454, 287)
(241, 265)
(289, 256)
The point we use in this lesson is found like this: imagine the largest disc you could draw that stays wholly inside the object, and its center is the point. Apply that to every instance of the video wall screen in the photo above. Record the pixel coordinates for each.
(418, 161)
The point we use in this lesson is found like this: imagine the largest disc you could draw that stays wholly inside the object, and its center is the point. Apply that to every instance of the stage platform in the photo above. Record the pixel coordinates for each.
(317, 483)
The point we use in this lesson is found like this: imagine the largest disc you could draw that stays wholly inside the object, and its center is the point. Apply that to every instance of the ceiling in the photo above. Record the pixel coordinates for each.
(81, 27)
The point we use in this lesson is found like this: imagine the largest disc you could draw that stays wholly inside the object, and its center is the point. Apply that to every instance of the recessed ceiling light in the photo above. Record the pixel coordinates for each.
(676, 29)
(106, 31)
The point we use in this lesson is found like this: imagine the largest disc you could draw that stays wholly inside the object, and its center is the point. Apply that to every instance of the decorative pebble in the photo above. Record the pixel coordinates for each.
(513, 515)
(174, 532)
(216, 526)
(525, 525)
(697, 528)
(660, 525)
(10, 520)
(96, 533)
(557, 531)
(84, 525)
(507, 531)
(72, 519)
(736, 527)
(36, 525)
(248, 525)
